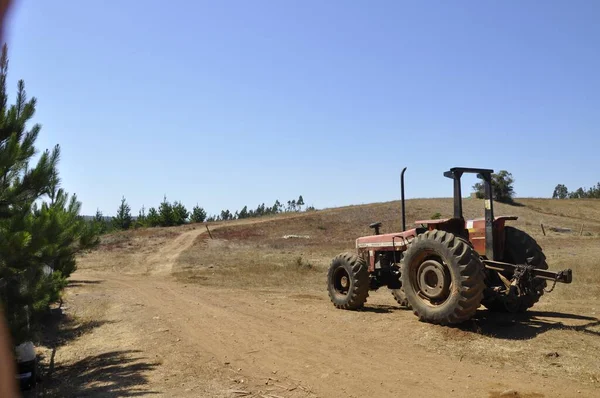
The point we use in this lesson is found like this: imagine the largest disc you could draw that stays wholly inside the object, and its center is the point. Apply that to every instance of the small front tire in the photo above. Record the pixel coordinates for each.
(348, 281)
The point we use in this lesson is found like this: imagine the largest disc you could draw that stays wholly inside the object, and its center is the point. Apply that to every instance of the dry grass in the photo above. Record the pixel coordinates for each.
(224, 261)
(250, 253)
(125, 251)
(564, 322)
(256, 256)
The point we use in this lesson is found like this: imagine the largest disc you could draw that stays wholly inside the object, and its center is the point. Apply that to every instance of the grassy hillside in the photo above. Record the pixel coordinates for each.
(251, 257)
(258, 255)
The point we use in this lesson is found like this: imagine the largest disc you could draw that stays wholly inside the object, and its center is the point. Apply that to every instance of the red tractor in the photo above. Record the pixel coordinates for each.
(445, 269)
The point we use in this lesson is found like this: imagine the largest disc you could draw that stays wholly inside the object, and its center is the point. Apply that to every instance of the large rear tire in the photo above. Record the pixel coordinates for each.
(348, 281)
(520, 248)
(442, 277)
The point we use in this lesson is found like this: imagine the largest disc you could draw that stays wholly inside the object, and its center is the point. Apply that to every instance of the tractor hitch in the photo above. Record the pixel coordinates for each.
(563, 276)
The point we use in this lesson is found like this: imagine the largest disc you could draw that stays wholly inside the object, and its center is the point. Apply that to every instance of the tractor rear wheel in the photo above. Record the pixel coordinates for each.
(442, 277)
(348, 281)
(521, 248)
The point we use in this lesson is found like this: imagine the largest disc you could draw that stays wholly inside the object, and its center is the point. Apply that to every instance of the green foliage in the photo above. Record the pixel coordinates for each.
(502, 187)
(582, 193)
(165, 214)
(560, 192)
(152, 219)
(99, 222)
(226, 215)
(300, 203)
(176, 213)
(436, 216)
(198, 214)
(123, 218)
(41, 230)
(141, 220)
(243, 213)
(277, 207)
(180, 213)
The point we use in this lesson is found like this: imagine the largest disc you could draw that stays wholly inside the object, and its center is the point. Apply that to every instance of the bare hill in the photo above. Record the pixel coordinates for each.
(246, 313)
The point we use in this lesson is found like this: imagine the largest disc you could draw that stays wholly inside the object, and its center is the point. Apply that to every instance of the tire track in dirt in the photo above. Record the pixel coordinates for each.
(252, 339)
(162, 262)
(267, 343)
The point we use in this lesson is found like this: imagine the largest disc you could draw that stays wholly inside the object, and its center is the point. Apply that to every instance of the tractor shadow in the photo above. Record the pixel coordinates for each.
(382, 308)
(530, 324)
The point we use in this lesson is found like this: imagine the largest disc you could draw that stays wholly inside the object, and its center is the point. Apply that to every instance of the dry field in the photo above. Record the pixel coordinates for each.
(172, 312)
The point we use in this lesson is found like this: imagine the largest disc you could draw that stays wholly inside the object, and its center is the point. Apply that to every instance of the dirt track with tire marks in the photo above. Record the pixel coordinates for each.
(209, 341)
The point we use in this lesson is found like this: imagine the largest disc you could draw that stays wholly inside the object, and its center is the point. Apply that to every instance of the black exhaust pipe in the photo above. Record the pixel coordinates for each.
(403, 209)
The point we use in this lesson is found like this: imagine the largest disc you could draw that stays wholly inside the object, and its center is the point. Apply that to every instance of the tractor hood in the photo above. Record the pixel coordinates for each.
(396, 240)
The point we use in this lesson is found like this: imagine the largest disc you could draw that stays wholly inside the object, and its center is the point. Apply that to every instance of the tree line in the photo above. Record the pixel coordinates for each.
(561, 192)
(169, 214)
(262, 210)
(166, 215)
(41, 230)
(503, 191)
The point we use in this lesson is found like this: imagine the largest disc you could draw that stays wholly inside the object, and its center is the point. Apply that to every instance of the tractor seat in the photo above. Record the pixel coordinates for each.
(375, 226)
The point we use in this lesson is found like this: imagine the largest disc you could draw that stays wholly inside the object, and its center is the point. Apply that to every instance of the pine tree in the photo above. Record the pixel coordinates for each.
(198, 214)
(141, 221)
(99, 222)
(165, 213)
(40, 227)
(180, 213)
(98, 217)
(123, 218)
(152, 219)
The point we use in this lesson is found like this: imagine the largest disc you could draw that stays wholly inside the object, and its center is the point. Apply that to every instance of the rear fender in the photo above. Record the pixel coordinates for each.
(476, 229)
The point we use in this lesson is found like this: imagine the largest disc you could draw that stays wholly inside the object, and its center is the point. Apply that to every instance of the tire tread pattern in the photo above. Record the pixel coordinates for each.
(469, 286)
(359, 281)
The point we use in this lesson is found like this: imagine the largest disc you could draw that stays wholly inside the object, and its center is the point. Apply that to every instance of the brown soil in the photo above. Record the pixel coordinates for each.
(172, 312)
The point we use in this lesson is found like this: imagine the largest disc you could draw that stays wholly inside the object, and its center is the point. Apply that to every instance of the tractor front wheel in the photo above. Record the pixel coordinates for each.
(442, 277)
(348, 281)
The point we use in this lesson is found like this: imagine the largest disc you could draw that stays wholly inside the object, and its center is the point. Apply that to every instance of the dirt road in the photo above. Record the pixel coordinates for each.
(151, 335)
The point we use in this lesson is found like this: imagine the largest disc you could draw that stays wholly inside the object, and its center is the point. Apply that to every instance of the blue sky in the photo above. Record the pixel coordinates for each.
(240, 102)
